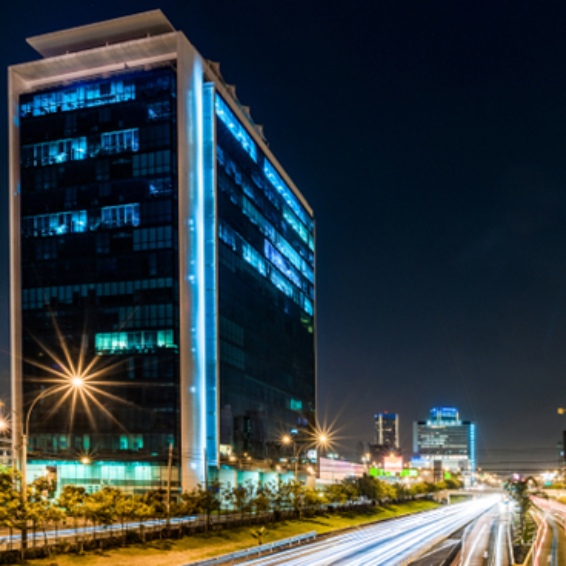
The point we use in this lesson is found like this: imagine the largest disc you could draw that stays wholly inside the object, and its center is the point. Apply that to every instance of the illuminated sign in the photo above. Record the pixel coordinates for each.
(393, 463)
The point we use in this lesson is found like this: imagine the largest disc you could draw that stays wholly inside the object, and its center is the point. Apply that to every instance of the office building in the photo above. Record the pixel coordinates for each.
(385, 438)
(160, 252)
(387, 430)
(447, 439)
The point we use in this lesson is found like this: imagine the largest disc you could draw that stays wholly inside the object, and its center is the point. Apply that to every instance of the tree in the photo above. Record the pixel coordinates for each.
(297, 493)
(372, 488)
(142, 512)
(278, 495)
(125, 505)
(100, 507)
(338, 492)
(203, 500)
(519, 490)
(72, 499)
(261, 503)
(14, 511)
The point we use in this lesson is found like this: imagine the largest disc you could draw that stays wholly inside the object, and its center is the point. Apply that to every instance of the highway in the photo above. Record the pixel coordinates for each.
(388, 543)
(550, 546)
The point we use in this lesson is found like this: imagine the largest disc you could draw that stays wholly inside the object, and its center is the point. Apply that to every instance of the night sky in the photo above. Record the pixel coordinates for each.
(430, 140)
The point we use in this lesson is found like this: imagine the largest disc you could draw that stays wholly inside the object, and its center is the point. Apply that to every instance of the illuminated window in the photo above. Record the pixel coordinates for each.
(280, 242)
(97, 94)
(122, 215)
(49, 153)
(227, 235)
(144, 341)
(254, 258)
(287, 194)
(281, 283)
(282, 265)
(159, 110)
(120, 141)
(299, 227)
(236, 129)
(307, 306)
(55, 224)
(160, 186)
(295, 405)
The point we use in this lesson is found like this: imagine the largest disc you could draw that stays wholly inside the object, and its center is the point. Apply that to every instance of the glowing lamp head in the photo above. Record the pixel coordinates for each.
(85, 460)
(4, 425)
(286, 439)
(77, 381)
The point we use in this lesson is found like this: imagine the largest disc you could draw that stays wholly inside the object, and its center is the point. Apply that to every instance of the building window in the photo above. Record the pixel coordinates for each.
(152, 163)
(153, 238)
(122, 215)
(287, 194)
(236, 129)
(253, 258)
(161, 186)
(144, 341)
(49, 153)
(159, 110)
(120, 141)
(98, 94)
(55, 224)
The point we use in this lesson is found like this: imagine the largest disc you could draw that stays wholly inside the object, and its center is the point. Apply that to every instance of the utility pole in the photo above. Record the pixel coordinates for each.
(169, 470)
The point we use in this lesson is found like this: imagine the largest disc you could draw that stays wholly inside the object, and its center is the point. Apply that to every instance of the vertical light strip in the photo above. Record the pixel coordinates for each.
(473, 450)
(191, 266)
(211, 317)
(198, 276)
(15, 87)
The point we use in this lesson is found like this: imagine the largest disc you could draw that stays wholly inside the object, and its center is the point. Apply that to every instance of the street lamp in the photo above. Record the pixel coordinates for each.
(287, 439)
(6, 448)
(76, 382)
(316, 440)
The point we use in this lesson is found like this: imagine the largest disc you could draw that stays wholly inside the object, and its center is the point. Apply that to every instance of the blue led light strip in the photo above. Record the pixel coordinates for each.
(287, 194)
(236, 129)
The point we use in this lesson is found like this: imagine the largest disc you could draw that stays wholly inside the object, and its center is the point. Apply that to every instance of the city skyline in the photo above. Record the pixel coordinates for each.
(431, 149)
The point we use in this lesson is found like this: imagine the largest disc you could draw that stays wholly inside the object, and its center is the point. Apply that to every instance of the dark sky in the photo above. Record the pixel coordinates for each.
(430, 139)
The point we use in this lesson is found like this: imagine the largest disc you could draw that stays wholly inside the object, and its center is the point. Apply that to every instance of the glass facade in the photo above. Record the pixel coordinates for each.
(265, 294)
(447, 439)
(99, 264)
(108, 248)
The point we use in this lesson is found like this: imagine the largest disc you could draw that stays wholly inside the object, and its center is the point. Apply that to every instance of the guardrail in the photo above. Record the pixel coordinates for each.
(255, 550)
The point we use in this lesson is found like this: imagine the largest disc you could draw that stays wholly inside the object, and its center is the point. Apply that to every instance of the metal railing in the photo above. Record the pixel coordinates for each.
(255, 550)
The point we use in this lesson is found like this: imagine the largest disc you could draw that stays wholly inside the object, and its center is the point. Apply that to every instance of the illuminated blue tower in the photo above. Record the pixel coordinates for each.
(158, 249)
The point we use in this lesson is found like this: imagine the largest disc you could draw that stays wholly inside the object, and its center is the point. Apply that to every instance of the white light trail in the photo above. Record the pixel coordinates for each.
(386, 543)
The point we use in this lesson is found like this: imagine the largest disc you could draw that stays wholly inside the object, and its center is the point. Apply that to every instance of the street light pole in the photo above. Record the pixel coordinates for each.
(321, 439)
(288, 439)
(75, 382)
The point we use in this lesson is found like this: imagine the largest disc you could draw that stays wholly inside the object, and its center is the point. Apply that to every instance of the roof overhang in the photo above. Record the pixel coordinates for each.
(145, 24)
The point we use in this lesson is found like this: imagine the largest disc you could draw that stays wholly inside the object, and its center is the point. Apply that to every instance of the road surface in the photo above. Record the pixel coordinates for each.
(388, 543)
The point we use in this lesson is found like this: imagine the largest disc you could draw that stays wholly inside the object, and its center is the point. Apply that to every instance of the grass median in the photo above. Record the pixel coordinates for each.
(200, 546)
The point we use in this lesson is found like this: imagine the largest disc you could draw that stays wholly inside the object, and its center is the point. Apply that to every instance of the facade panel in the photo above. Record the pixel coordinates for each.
(99, 263)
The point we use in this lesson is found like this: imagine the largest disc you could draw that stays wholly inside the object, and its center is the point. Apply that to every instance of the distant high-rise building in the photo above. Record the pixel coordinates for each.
(385, 438)
(160, 251)
(445, 438)
(387, 430)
